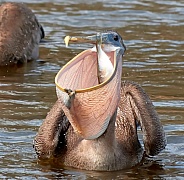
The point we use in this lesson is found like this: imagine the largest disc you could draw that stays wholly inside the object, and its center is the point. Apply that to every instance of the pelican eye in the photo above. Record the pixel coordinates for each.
(116, 38)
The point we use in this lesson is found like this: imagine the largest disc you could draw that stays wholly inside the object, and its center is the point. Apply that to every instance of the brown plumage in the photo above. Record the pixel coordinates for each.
(20, 34)
(95, 128)
(118, 148)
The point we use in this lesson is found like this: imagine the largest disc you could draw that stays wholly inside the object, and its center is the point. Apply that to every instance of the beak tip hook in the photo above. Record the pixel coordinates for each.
(66, 40)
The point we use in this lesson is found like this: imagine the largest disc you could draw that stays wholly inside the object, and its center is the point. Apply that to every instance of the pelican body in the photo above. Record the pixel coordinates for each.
(93, 125)
(20, 34)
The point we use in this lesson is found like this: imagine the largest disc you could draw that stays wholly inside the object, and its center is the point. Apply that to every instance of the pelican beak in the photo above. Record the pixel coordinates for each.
(89, 39)
(88, 104)
(104, 39)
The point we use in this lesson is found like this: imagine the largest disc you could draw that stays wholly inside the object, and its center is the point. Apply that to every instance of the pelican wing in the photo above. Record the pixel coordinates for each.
(51, 132)
(135, 105)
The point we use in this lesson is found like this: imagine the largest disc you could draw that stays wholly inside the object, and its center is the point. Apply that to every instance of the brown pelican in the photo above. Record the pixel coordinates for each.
(20, 34)
(93, 124)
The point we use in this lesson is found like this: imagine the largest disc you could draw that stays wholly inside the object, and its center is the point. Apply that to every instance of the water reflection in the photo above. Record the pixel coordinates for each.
(154, 58)
(150, 168)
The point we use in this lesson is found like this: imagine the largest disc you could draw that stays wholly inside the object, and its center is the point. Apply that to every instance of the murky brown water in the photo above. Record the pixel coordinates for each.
(153, 33)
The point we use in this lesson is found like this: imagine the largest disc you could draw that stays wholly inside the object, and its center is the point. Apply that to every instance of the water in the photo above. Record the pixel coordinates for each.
(153, 34)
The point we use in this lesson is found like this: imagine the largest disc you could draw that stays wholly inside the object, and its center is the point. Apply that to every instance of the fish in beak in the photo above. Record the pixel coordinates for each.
(105, 67)
(88, 86)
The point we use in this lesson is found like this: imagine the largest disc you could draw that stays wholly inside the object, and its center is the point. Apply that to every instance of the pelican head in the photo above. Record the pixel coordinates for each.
(110, 39)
